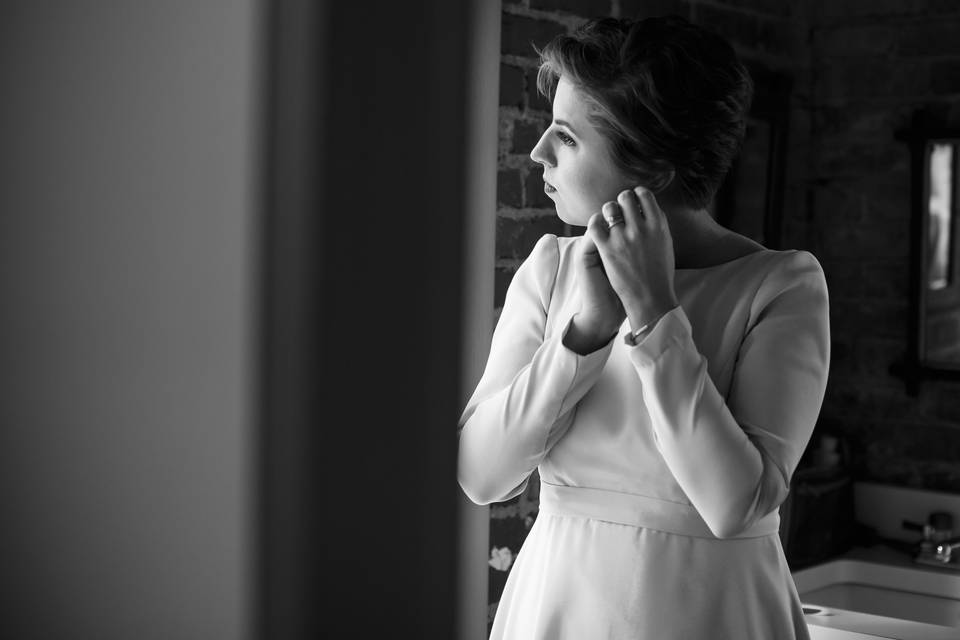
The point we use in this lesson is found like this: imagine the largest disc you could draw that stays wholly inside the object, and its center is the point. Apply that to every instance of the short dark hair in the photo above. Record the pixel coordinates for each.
(667, 94)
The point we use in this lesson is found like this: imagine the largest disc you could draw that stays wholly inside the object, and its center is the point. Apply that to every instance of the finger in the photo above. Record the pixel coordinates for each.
(589, 253)
(587, 245)
(611, 212)
(597, 228)
(652, 213)
(600, 230)
(630, 204)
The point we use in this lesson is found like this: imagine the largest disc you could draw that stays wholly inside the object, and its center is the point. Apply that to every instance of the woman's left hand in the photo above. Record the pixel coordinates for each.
(637, 254)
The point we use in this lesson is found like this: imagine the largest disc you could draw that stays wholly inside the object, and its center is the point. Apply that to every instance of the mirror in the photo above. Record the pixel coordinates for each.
(934, 331)
(940, 332)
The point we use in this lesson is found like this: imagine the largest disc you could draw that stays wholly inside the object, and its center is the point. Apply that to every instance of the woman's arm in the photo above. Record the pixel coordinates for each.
(522, 404)
(734, 459)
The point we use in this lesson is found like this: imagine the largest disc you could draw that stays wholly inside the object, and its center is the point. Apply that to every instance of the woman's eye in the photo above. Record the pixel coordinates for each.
(565, 139)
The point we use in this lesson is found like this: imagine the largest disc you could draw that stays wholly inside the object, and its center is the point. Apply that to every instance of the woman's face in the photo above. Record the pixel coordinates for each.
(578, 168)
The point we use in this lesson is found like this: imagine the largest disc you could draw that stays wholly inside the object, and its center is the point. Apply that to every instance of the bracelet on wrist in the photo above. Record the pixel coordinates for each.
(635, 337)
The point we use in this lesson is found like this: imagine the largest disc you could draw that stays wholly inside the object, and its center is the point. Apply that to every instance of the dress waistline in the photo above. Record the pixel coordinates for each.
(639, 511)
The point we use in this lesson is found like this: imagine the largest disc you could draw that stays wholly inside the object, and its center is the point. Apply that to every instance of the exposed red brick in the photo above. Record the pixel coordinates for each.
(585, 8)
(875, 403)
(781, 38)
(860, 119)
(947, 407)
(845, 315)
(535, 101)
(534, 196)
(501, 282)
(863, 241)
(874, 358)
(842, 275)
(777, 8)
(858, 156)
(511, 86)
(509, 188)
(520, 33)
(930, 39)
(866, 77)
(856, 40)
(885, 318)
(831, 11)
(886, 279)
(516, 238)
(638, 9)
(742, 28)
(526, 133)
(945, 77)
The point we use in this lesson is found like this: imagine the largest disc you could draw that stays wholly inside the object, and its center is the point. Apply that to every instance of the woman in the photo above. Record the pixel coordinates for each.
(663, 454)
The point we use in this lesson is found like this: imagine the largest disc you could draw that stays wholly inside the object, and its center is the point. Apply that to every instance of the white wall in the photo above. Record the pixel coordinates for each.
(127, 273)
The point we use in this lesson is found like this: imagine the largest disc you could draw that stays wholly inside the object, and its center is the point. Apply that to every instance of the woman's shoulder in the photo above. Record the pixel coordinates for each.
(552, 259)
(545, 254)
(761, 277)
(746, 254)
(555, 251)
(538, 271)
(789, 281)
(566, 243)
(775, 270)
(788, 265)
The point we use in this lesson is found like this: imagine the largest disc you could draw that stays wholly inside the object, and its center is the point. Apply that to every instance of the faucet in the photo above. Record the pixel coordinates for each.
(944, 550)
(938, 547)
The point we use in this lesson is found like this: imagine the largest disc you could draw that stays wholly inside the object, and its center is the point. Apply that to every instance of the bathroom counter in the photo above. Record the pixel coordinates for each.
(896, 581)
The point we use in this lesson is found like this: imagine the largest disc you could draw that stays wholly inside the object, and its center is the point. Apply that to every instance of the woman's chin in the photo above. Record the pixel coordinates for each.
(563, 214)
(569, 219)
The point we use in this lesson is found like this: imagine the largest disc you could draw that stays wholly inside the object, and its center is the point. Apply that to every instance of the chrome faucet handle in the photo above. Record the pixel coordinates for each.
(945, 550)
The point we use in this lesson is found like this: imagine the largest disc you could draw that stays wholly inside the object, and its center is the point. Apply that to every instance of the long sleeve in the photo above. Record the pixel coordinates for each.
(734, 458)
(525, 399)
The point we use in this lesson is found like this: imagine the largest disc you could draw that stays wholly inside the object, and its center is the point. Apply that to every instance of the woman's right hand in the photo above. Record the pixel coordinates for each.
(601, 312)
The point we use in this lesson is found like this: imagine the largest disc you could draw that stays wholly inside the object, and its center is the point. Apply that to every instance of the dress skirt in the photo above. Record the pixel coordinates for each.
(606, 565)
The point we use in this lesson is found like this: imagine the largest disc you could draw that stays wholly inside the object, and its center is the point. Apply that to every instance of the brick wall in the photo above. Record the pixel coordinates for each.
(873, 63)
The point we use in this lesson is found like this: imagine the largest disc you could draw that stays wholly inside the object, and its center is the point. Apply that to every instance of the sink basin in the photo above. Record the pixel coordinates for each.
(881, 600)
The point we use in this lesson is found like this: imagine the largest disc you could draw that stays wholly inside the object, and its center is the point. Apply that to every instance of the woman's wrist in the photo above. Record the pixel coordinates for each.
(644, 314)
(636, 336)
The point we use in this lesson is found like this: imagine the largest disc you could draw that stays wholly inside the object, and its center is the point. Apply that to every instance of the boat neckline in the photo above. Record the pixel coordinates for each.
(718, 265)
(728, 262)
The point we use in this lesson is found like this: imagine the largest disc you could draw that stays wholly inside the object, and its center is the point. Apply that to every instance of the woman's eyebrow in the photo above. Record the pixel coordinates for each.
(565, 124)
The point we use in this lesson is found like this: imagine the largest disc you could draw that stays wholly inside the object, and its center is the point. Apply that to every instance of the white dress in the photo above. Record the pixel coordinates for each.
(635, 444)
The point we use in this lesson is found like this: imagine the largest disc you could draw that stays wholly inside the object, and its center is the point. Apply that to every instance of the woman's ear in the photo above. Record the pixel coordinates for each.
(662, 181)
(668, 177)
(658, 178)
(665, 188)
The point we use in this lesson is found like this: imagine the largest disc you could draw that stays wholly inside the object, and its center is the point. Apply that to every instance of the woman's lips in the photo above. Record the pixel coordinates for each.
(549, 188)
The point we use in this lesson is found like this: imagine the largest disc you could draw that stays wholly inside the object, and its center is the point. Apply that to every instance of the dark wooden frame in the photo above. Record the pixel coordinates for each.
(914, 368)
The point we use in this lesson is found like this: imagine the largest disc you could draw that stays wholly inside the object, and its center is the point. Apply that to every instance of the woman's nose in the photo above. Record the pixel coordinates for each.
(542, 153)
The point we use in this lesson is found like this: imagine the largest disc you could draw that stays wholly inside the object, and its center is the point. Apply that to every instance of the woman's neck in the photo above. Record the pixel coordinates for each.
(699, 241)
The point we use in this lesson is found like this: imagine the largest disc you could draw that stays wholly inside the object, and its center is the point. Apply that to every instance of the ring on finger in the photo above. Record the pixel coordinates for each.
(614, 221)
